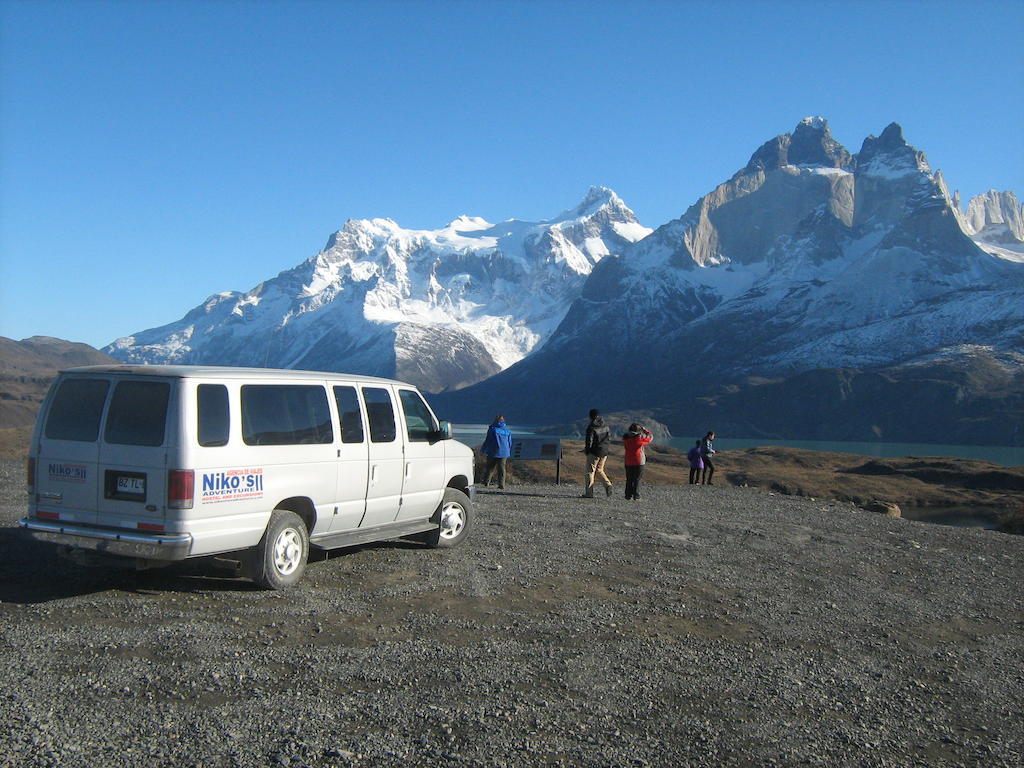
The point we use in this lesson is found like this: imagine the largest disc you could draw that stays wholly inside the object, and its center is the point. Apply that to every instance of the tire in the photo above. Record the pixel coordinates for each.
(279, 560)
(454, 518)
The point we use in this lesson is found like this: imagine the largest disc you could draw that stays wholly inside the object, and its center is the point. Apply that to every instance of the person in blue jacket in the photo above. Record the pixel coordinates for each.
(497, 448)
(707, 450)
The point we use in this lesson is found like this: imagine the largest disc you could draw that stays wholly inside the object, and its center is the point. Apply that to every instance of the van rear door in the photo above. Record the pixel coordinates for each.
(67, 476)
(133, 454)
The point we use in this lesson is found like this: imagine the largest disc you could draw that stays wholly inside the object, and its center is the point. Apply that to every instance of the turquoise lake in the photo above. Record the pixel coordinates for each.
(1006, 455)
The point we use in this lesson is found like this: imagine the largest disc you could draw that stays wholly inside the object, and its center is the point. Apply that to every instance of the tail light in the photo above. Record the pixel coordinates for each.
(30, 477)
(181, 486)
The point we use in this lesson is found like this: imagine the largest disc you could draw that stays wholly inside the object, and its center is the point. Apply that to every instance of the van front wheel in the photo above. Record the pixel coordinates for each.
(453, 518)
(279, 560)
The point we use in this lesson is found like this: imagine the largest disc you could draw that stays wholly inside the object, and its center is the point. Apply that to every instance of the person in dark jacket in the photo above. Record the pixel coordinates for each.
(497, 448)
(696, 463)
(635, 439)
(707, 450)
(597, 448)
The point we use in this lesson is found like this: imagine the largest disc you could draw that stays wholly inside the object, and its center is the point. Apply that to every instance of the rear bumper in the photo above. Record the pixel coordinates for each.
(151, 546)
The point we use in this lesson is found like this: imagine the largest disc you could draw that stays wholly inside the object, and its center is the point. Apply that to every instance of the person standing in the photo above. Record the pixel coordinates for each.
(696, 463)
(596, 448)
(635, 439)
(707, 450)
(497, 448)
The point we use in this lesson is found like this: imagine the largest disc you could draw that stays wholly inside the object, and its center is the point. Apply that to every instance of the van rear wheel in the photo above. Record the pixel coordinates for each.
(279, 560)
(453, 518)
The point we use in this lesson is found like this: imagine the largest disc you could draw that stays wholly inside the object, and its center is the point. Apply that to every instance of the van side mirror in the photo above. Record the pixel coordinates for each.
(443, 432)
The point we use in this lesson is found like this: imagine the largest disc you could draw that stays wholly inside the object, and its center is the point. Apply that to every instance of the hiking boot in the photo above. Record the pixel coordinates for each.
(608, 490)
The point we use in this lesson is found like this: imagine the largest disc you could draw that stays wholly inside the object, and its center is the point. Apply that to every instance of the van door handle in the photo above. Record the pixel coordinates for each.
(373, 475)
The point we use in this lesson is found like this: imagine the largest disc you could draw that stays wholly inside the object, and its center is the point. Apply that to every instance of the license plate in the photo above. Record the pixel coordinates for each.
(133, 485)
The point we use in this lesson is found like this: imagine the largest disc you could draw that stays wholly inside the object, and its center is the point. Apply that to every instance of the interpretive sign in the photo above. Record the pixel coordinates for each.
(539, 449)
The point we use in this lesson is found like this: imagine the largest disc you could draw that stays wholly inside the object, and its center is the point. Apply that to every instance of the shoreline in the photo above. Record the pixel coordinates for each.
(937, 483)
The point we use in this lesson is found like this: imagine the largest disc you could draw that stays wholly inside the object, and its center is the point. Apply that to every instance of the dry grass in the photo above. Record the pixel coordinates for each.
(908, 481)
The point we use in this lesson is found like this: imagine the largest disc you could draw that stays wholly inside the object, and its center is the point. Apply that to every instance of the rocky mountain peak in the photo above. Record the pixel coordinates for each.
(810, 143)
(596, 199)
(996, 217)
(890, 154)
(356, 228)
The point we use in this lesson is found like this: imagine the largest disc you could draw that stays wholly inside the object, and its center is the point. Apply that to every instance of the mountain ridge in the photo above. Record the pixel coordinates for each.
(857, 262)
(444, 307)
(808, 258)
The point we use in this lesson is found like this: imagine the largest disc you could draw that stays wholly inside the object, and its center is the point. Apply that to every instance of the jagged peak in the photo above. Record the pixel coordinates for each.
(996, 208)
(361, 226)
(600, 194)
(596, 199)
(815, 123)
(810, 143)
(891, 152)
(891, 139)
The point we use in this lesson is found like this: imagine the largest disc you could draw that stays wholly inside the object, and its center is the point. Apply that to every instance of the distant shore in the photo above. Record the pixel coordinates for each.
(910, 482)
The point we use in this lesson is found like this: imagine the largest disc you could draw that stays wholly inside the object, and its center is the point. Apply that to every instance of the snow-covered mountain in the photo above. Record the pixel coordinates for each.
(811, 270)
(441, 308)
(809, 258)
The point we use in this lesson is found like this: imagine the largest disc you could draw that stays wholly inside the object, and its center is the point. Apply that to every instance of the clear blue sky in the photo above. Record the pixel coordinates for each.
(153, 153)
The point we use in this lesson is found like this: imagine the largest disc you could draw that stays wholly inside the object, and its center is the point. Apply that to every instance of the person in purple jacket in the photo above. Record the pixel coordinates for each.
(696, 463)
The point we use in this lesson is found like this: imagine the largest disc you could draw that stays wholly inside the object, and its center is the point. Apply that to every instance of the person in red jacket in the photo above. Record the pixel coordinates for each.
(635, 440)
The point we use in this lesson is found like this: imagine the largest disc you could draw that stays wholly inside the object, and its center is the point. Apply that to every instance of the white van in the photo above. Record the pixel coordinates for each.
(163, 463)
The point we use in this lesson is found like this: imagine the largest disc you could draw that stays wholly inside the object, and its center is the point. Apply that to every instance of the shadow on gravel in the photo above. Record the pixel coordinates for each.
(34, 572)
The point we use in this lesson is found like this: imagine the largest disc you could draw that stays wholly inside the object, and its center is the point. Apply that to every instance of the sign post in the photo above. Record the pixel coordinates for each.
(539, 449)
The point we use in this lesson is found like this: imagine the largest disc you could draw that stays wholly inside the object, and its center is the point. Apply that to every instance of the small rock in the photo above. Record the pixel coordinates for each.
(887, 508)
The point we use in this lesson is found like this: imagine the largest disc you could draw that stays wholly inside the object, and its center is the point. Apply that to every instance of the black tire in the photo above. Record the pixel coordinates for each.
(454, 517)
(279, 560)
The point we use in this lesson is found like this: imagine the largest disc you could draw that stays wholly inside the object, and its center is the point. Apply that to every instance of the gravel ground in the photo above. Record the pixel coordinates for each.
(702, 626)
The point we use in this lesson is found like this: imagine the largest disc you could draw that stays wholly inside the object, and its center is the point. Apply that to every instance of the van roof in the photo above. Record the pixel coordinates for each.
(227, 372)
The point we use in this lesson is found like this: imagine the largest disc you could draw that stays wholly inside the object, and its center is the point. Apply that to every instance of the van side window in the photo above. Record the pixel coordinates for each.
(418, 419)
(214, 415)
(138, 413)
(286, 414)
(76, 410)
(381, 414)
(349, 415)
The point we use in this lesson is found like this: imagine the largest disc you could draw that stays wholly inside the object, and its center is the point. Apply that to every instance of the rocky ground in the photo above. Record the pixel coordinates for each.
(717, 626)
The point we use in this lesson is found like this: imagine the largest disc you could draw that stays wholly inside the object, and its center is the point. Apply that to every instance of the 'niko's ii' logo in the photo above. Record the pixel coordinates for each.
(232, 485)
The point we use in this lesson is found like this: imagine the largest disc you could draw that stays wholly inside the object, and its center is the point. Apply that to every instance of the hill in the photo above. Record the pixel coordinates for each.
(26, 369)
